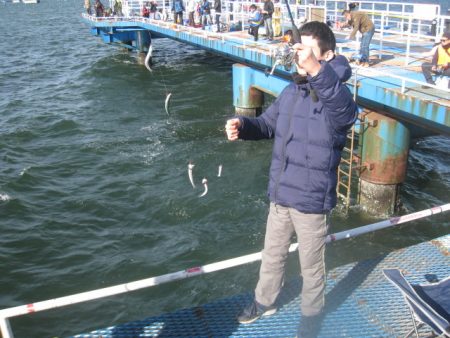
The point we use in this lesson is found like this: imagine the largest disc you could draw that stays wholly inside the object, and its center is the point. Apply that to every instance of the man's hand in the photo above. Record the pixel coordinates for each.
(232, 129)
(306, 60)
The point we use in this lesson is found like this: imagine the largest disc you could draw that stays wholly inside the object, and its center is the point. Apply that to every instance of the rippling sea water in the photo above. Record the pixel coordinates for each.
(93, 176)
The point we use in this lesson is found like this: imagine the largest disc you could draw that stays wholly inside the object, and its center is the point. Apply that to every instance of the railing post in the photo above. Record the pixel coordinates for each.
(5, 328)
(380, 55)
(408, 41)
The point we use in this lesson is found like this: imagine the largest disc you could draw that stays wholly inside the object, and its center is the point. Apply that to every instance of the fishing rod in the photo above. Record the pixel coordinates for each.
(295, 32)
(194, 271)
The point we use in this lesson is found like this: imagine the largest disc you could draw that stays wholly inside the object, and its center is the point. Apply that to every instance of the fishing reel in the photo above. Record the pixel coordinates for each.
(285, 56)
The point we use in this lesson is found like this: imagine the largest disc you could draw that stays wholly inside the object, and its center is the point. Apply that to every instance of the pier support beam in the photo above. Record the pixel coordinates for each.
(247, 99)
(385, 147)
(143, 41)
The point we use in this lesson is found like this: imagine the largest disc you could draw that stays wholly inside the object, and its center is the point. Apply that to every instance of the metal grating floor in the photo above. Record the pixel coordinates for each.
(360, 302)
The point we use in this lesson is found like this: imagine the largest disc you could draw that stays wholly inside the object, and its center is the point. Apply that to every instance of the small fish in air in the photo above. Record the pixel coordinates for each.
(191, 176)
(205, 185)
(219, 173)
(147, 58)
(166, 104)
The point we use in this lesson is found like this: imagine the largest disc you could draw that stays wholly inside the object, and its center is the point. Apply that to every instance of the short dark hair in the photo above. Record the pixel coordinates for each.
(345, 11)
(446, 34)
(322, 33)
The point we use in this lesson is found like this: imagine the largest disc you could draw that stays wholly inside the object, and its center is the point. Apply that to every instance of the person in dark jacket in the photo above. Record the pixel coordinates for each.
(267, 16)
(178, 9)
(308, 122)
(218, 10)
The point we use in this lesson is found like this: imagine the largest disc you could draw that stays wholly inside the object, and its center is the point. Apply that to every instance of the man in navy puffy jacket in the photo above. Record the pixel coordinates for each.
(308, 121)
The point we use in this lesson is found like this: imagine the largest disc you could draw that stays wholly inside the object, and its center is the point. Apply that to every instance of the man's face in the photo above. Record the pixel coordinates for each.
(312, 43)
(309, 41)
(445, 42)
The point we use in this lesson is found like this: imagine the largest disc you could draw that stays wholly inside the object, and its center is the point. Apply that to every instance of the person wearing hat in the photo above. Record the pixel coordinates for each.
(440, 64)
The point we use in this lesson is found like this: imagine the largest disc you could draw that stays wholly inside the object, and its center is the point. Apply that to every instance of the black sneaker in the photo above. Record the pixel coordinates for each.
(309, 326)
(254, 311)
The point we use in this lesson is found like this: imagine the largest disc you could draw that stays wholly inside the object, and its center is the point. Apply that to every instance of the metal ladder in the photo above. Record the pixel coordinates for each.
(346, 168)
(351, 159)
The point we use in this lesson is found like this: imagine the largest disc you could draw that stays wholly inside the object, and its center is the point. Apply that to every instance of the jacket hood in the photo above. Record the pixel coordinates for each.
(341, 66)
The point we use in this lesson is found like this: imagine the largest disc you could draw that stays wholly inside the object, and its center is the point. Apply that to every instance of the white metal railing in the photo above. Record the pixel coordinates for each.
(400, 18)
(5, 314)
(365, 72)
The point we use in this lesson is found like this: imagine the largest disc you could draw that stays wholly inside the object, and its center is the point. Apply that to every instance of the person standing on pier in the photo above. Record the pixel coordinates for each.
(255, 20)
(205, 11)
(99, 9)
(178, 9)
(309, 132)
(276, 21)
(267, 16)
(118, 8)
(87, 6)
(191, 6)
(218, 10)
(440, 64)
(361, 22)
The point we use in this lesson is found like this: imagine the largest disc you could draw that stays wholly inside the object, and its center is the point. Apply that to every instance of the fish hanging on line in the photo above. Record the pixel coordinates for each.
(205, 185)
(147, 58)
(166, 104)
(191, 176)
(219, 173)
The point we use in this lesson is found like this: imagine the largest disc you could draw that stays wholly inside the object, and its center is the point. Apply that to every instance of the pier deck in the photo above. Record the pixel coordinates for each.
(360, 302)
(389, 85)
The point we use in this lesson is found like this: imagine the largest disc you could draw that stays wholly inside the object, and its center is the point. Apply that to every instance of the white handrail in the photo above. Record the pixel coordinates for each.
(403, 79)
(195, 271)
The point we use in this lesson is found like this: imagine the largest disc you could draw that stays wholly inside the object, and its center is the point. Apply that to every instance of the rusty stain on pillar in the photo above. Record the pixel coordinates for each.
(385, 147)
(248, 100)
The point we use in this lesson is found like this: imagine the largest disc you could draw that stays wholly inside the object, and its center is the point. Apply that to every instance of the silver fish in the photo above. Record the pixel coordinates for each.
(147, 58)
(166, 104)
(219, 173)
(205, 185)
(191, 177)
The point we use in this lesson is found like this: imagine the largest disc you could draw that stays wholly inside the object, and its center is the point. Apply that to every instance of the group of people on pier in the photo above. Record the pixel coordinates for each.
(269, 15)
(99, 10)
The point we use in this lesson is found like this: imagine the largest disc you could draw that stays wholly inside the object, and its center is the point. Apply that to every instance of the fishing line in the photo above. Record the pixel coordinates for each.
(163, 79)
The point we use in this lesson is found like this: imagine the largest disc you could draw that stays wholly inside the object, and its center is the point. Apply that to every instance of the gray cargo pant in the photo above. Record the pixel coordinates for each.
(311, 230)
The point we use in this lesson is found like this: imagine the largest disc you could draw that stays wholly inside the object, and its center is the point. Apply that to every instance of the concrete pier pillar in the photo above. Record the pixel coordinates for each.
(247, 99)
(143, 41)
(385, 146)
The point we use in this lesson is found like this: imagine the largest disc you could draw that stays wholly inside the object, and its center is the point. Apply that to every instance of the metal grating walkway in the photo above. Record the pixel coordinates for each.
(360, 303)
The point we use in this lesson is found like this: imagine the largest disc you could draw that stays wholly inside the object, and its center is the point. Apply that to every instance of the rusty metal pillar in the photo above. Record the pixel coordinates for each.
(247, 100)
(385, 147)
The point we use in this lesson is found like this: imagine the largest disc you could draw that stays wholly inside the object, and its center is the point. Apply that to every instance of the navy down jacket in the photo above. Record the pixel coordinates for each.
(309, 138)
